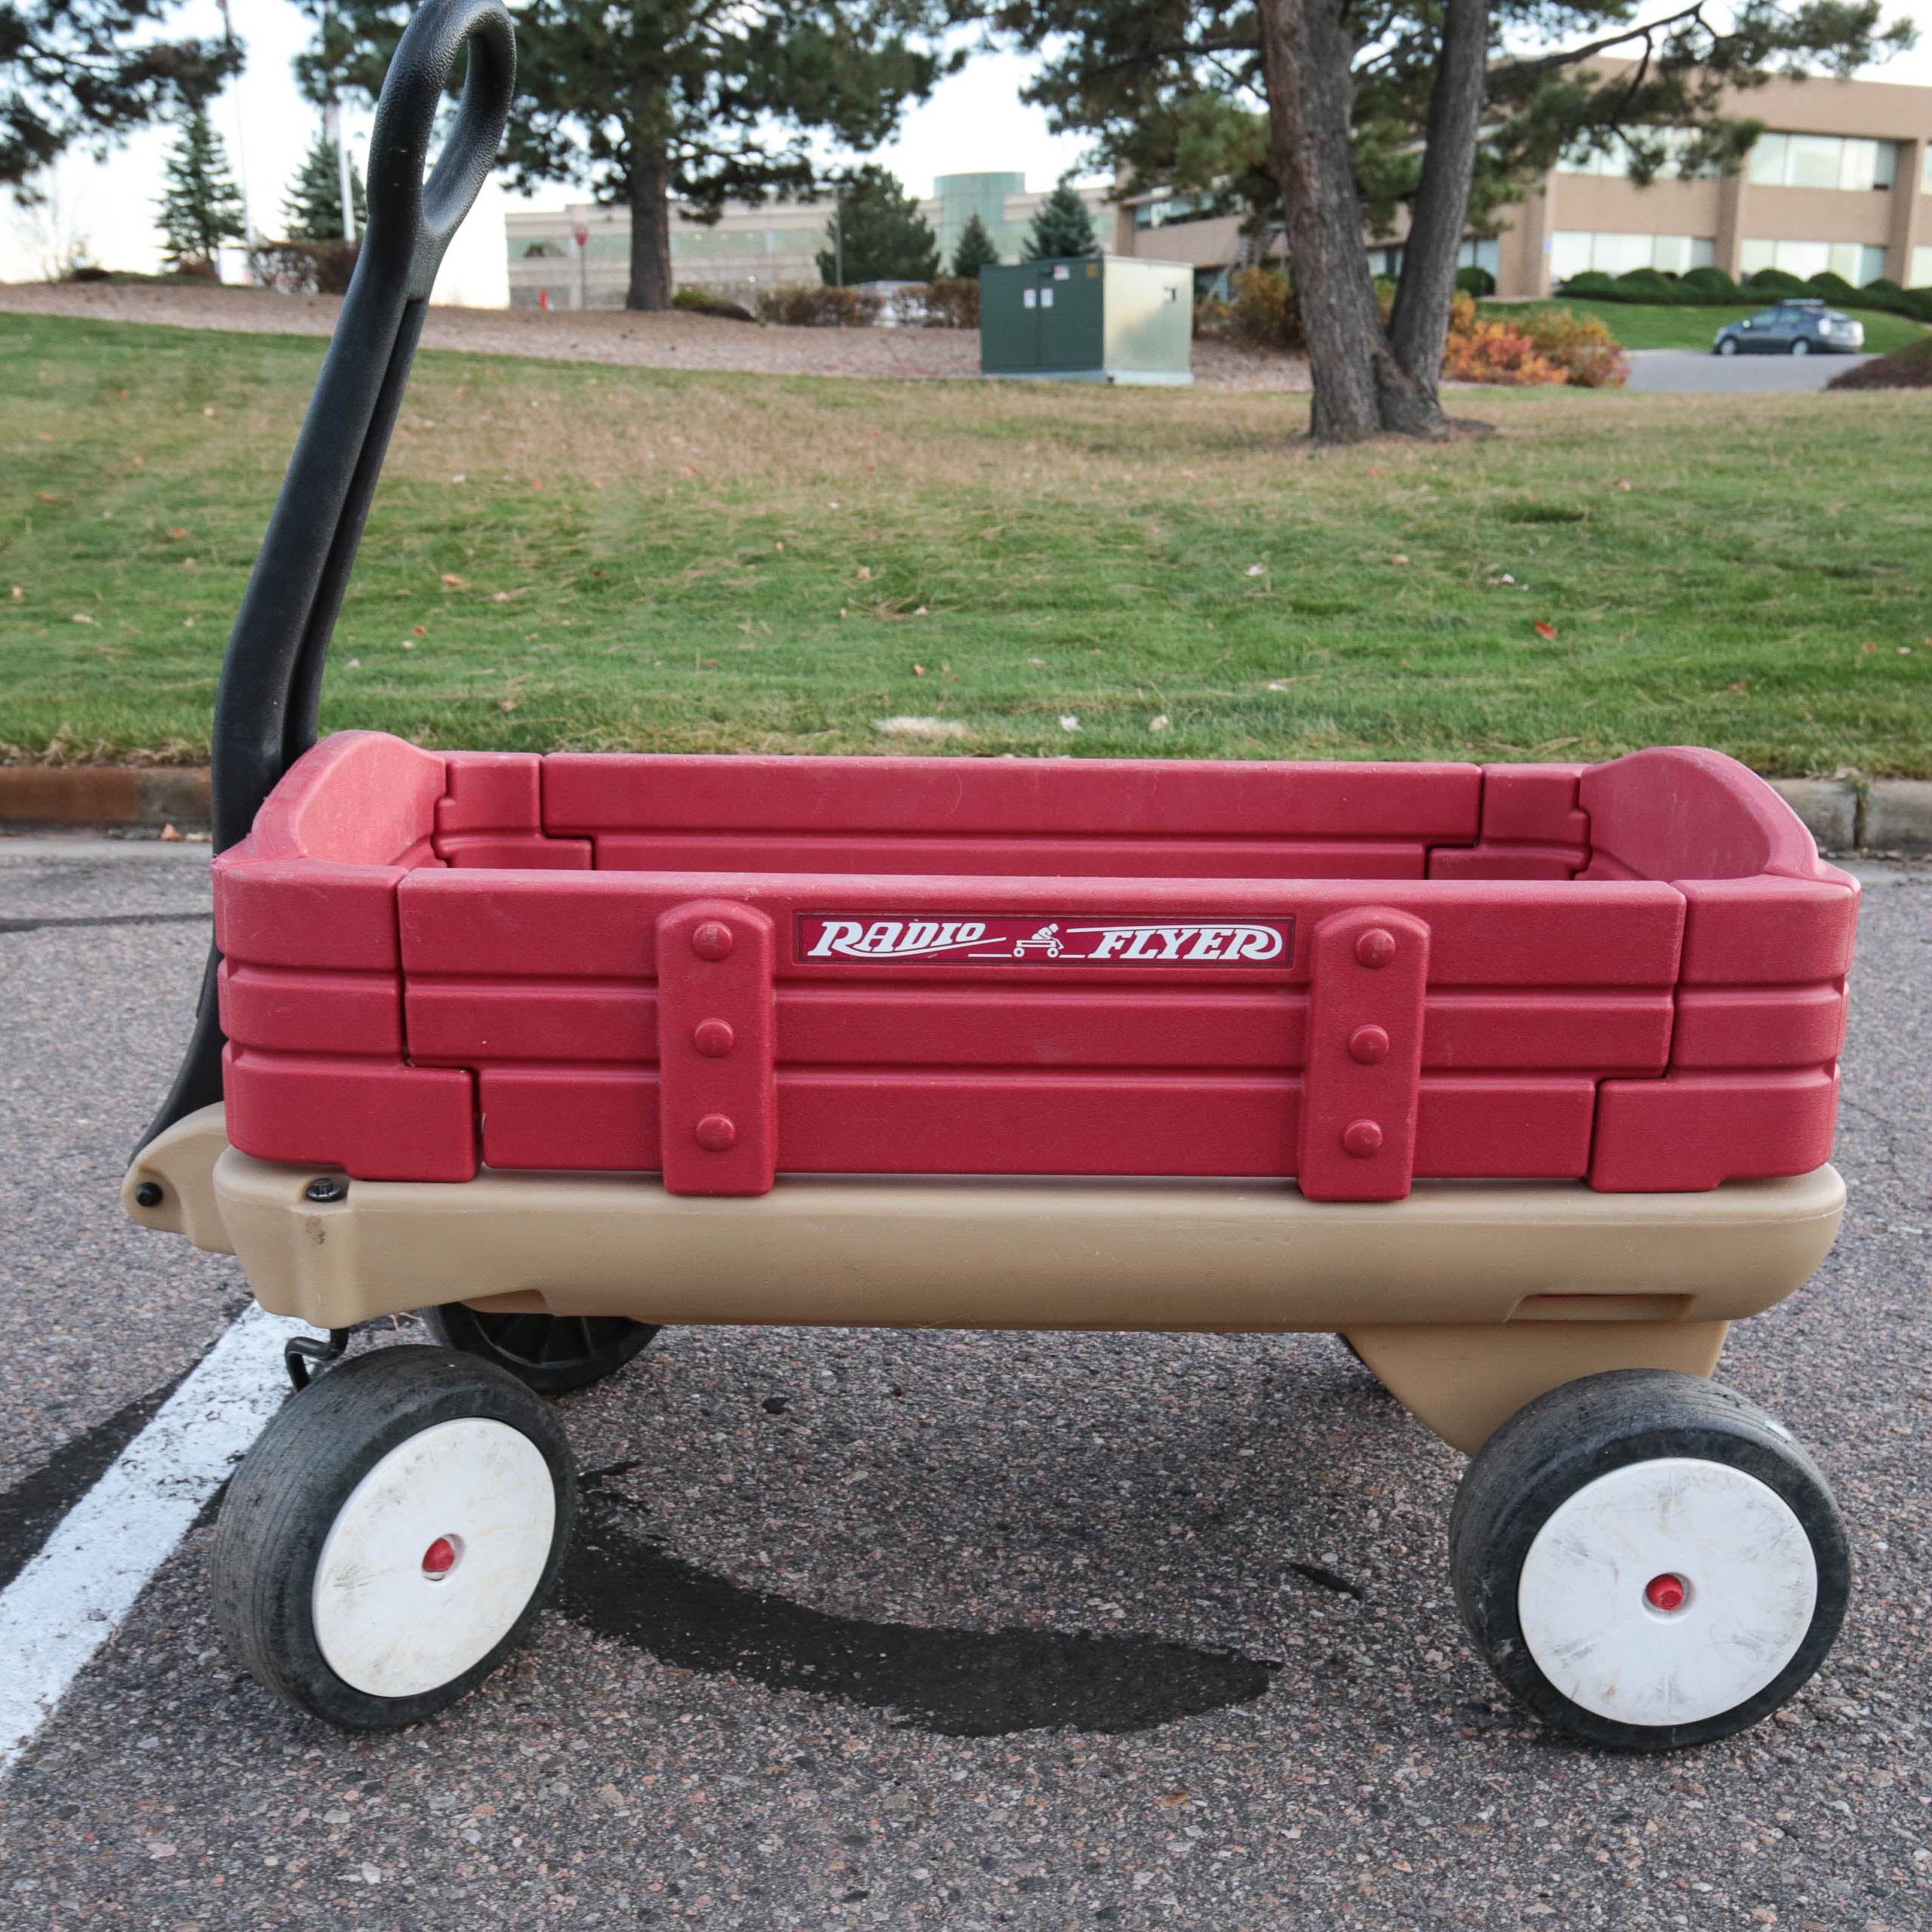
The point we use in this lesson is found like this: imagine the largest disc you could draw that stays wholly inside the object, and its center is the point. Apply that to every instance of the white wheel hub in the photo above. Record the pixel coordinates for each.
(433, 1558)
(1667, 1592)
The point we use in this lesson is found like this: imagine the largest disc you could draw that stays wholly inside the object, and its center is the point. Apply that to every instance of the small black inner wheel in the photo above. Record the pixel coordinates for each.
(546, 1352)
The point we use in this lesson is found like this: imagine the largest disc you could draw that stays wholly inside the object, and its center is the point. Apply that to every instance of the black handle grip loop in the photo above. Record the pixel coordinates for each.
(266, 710)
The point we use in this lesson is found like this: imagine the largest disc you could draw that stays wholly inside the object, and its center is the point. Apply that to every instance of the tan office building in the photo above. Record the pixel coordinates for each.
(1841, 180)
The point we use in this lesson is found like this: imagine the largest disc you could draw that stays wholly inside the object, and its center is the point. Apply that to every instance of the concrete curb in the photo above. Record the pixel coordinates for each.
(1887, 815)
(103, 795)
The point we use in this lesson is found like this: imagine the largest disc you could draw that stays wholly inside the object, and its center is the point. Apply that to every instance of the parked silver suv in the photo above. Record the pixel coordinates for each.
(1802, 326)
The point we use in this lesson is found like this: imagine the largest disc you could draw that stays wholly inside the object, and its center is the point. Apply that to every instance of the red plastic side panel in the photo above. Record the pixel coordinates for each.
(598, 1118)
(281, 1009)
(1596, 1032)
(1118, 798)
(982, 855)
(492, 815)
(1769, 931)
(1758, 1027)
(1535, 803)
(1503, 861)
(717, 1031)
(471, 1022)
(1529, 1126)
(285, 912)
(1369, 969)
(1693, 1131)
(863, 1121)
(378, 1122)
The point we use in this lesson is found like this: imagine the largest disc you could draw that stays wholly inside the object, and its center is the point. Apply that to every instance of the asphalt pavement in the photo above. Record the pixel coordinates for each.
(944, 1629)
(1697, 372)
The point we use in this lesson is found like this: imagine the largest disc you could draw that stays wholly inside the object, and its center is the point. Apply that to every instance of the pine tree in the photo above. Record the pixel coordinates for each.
(973, 251)
(200, 208)
(312, 207)
(1063, 227)
(879, 234)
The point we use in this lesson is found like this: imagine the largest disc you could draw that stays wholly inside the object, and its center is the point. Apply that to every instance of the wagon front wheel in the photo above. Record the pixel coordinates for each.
(390, 1539)
(1647, 1561)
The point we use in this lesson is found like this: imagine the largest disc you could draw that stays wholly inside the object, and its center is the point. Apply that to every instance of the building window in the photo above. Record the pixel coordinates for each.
(1614, 160)
(1855, 262)
(1925, 168)
(1573, 251)
(1921, 268)
(1165, 210)
(549, 249)
(1822, 161)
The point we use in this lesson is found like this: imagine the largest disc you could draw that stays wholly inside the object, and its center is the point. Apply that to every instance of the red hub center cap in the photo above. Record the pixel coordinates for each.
(1665, 1592)
(440, 1559)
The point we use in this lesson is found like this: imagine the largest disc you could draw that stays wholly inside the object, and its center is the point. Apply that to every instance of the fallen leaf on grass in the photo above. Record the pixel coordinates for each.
(455, 582)
(81, 617)
(507, 704)
(920, 728)
(1282, 684)
(175, 535)
(1159, 724)
(1255, 570)
(1398, 559)
(1069, 722)
(865, 574)
(1544, 630)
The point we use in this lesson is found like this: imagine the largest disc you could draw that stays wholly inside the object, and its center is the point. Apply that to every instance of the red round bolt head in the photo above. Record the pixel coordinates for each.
(717, 1133)
(714, 1038)
(1368, 1045)
(1665, 1592)
(1361, 1138)
(1376, 947)
(439, 1559)
(714, 940)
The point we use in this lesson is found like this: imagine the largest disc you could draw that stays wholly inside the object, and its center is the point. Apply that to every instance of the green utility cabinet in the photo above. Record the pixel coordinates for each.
(1095, 318)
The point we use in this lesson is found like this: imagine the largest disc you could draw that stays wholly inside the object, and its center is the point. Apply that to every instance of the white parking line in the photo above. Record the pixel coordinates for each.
(70, 1598)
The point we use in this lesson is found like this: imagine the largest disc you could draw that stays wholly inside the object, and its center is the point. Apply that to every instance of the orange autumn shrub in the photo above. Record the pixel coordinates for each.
(1480, 351)
(1541, 346)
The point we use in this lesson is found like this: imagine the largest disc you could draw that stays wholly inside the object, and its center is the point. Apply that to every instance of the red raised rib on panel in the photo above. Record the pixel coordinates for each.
(1599, 1032)
(901, 1026)
(473, 1022)
(1368, 968)
(1758, 1027)
(979, 855)
(286, 912)
(1769, 931)
(604, 793)
(378, 1122)
(716, 1045)
(1534, 802)
(1528, 1126)
(492, 815)
(596, 1118)
(1502, 861)
(279, 1009)
(863, 1121)
(1693, 1131)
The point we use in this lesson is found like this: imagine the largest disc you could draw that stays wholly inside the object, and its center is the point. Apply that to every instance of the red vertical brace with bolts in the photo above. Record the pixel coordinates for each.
(1350, 976)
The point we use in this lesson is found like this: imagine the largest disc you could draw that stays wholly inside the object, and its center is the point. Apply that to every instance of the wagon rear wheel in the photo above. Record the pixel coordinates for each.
(390, 1539)
(1647, 1561)
(547, 1352)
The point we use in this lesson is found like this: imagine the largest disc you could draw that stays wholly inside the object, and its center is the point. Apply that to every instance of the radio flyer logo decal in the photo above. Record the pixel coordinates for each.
(1085, 939)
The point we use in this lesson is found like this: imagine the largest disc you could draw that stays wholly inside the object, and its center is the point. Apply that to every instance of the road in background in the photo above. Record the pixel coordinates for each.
(948, 1629)
(1697, 372)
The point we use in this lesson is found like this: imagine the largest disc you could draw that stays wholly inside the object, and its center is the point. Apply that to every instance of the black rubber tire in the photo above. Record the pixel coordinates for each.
(1548, 1450)
(1728, 346)
(1799, 347)
(547, 1352)
(292, 1484)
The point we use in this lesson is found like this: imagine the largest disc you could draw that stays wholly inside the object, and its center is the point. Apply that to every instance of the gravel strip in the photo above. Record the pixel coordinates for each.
(673, 341)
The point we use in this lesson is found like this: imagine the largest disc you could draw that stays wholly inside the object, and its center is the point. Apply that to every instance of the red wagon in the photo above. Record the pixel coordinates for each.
(1522, 1078)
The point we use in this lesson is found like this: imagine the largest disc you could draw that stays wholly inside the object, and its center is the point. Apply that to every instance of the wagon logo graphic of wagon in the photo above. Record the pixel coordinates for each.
(1074, 939)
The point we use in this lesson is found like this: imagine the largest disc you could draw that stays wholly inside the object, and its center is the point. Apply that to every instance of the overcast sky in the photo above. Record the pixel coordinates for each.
(974, 122)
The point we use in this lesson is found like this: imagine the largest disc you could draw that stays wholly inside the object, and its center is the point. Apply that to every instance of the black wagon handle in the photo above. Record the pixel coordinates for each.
(266, 712)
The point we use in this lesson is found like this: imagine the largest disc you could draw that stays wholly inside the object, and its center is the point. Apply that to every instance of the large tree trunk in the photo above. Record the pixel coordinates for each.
(651, 232)
(1420, 326)
(1308, 55)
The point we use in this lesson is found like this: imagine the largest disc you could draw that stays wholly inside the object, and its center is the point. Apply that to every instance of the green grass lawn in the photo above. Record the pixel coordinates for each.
(1637, 325)
(569, 555)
